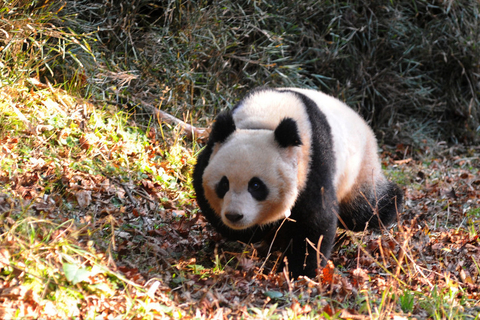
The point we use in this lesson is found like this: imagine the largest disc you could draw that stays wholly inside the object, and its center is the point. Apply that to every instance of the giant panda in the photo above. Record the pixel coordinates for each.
(290, 165)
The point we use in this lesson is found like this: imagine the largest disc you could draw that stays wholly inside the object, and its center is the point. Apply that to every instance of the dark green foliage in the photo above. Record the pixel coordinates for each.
(410, 67)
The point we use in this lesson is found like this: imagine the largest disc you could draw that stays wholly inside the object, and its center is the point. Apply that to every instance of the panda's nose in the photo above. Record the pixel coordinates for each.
(234, 216)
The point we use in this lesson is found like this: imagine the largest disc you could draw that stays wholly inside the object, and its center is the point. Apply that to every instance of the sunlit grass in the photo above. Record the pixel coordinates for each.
(52, 253)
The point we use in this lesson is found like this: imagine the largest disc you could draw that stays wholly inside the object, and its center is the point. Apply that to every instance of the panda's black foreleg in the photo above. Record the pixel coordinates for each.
(303, 252)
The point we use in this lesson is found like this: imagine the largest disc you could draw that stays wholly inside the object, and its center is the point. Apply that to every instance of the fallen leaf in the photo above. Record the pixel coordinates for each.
(328, 310)
(273, 294)
(4, 258)
(328, 272)
(451, 194)
(75, 273)
(84, 198)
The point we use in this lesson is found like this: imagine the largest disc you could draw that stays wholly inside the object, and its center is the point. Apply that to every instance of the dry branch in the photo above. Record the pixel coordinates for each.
(192, 132)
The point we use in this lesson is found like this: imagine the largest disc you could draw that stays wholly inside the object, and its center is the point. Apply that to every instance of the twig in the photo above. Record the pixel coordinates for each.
(124, 186)
(127, 191)
(190, 131)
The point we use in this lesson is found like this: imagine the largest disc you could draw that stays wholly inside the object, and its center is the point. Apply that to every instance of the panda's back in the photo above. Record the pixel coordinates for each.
(355, 146)
(354, 143)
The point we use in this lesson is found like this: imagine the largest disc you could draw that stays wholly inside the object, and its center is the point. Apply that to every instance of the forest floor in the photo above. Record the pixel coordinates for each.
(98, 219)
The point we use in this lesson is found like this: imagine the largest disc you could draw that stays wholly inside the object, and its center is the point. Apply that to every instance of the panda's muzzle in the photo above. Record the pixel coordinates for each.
(233, 216)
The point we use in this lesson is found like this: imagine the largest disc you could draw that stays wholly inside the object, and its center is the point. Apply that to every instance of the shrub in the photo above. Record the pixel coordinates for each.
(409, 67)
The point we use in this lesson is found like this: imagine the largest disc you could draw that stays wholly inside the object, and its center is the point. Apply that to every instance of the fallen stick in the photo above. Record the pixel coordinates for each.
(192, 132)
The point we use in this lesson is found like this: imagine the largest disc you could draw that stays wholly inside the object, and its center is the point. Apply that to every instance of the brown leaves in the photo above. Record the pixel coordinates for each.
(298, 309)
(359, 277)
(8, 144)
(19, 301)
(327, 273)
(145, 227)
(4, 258)
(84, 198)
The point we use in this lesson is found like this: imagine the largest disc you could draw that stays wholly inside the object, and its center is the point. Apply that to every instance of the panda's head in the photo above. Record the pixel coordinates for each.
(251, 177)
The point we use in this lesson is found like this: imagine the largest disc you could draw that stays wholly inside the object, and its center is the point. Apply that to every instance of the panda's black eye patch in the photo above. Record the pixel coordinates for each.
(257, 189)
(222, 187)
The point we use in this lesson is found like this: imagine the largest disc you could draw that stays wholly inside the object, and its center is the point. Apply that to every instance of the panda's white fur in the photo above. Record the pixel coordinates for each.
(245, 147)
(276, 167)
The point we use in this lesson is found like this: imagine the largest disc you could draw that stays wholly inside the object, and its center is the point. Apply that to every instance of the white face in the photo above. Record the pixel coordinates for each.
(250, 180)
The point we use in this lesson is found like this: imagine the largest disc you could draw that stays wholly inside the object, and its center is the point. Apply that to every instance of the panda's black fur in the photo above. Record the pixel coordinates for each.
(316, 211)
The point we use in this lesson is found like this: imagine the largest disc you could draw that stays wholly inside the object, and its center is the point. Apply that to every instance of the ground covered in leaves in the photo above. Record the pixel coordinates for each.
(98, 219)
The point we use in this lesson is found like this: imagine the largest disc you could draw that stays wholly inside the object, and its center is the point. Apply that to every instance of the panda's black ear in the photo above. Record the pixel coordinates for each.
(222, 128)
(286, 133)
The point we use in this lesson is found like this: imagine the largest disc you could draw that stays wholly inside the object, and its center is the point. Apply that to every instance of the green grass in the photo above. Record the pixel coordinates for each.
(42, 237)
